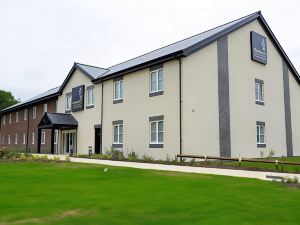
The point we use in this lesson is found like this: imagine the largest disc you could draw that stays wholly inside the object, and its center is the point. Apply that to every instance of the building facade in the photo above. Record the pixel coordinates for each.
(19, 123)
(230, 91)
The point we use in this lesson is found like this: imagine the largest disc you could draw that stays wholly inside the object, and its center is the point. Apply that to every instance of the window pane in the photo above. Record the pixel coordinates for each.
(262, 130)
(92, 96)
(121, 138)
(160, 137)
(121, 89)
(160, 75)
(262, 139)
(153, 137)
(160, 85)
(154, 86)
(153, 132)
(121, 129)
(115, 134)
(160, 126)
(117, 90)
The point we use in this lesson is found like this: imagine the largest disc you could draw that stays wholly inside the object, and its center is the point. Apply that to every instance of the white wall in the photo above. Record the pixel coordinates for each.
(86, 118)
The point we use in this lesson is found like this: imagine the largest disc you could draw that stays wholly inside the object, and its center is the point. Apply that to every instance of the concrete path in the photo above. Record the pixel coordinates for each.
(184, 169)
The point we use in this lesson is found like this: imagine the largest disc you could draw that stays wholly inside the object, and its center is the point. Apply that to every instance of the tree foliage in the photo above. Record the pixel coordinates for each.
(7, 99)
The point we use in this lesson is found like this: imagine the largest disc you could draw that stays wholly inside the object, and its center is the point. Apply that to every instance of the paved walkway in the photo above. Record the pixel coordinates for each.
(184, 169)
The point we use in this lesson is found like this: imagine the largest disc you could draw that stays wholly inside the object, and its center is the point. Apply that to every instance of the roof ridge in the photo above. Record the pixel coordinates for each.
(257, 12)
(90, 65)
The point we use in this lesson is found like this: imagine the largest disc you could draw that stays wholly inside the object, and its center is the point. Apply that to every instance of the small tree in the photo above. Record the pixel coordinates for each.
(7, 99)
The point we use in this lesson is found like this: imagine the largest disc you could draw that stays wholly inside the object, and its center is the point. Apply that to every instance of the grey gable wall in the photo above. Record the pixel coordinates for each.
(287, 110)
(223, 95)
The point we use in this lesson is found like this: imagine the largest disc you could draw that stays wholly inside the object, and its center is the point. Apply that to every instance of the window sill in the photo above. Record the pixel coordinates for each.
(117, 101)
(156, 145)
(152, 94)
(67, 111)
(89, 106)
(117, 145)
(261, 145)
(260, 103)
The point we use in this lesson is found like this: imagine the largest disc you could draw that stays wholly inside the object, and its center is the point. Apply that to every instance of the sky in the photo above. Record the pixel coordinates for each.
(41, 39)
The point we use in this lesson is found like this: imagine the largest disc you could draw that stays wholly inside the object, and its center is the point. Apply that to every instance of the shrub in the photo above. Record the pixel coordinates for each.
(133, 156)
(147, 158)
(56, 158)
(114, 154)
(68, 159)
(262, 153)
(271, 153)
(296, 180)
(168, 158)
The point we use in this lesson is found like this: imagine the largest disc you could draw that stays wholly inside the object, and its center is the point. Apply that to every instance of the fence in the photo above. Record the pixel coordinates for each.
(240, 160)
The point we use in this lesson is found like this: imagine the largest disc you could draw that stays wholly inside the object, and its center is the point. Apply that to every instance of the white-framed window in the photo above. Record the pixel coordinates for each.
(17, 117)
(68, 102)
(259, 91)
(24, 139)
(260, 133)
(157, 132)
(33, 112)
(118, 134)
(10, 118)
(55, 137)
(90, 97)
(32, 138)
(8, 139)
(156, 80)
(118, 90)
(3, 120)
(2, 140)
(45, 107)
(16, 139)
(43, 138)
(25, 114)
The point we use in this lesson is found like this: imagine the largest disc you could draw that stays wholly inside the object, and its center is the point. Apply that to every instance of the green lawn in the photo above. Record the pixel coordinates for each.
(73, 193)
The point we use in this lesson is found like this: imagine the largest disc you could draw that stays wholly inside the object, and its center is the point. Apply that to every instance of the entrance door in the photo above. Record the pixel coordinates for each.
(69, 142)
(97, 140)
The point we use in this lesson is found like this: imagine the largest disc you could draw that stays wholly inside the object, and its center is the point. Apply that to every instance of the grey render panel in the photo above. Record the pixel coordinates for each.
(90, 87)
(155, 118)
(117, 101)
(117, 145)
(118, 78)
(287, 110)
(223, 96)
(117, 122)
(156, 145)
(152, 94)
(259, 81)
(156, 67)
(260, 123)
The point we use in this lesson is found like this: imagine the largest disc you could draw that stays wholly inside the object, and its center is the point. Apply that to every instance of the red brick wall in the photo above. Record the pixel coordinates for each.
(20, 128)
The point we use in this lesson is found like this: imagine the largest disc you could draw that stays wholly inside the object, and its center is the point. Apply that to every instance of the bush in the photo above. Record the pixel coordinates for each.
(271, 153)
(133, 156)
(114, 154)
(147, 158)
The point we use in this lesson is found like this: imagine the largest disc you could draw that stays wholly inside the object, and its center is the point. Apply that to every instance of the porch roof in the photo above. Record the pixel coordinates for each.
(58, 121)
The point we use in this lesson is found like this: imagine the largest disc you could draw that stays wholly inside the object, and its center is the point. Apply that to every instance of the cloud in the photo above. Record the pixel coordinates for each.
(40, 40)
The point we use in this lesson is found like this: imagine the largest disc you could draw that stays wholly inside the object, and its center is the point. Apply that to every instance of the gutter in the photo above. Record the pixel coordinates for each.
(101, 139)
(180, 104)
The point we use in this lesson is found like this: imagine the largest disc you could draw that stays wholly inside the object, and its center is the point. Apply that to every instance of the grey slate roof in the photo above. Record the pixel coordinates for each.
(61, 119)
(175, 47)
(42, 96)
(93, 71)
